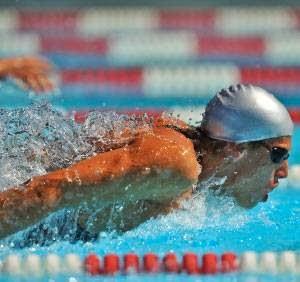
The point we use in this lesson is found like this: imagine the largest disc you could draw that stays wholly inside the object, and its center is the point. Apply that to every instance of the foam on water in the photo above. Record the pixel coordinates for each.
(35, 140)
(205, 210)
(38, 139)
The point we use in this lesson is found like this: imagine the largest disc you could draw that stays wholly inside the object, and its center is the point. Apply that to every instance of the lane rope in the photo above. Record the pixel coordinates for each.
(286, 262)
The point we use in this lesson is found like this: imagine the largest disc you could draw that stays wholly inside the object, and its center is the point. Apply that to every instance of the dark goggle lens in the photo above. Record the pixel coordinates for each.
(279, 155)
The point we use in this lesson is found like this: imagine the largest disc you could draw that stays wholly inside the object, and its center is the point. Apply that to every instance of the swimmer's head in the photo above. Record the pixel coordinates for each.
(246, 136)
(244, 113)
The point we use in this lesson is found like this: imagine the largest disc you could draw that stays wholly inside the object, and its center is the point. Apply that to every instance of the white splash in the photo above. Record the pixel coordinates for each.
(39, 139)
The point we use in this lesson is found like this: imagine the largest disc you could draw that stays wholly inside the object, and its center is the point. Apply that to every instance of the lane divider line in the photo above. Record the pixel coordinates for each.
(268, 262)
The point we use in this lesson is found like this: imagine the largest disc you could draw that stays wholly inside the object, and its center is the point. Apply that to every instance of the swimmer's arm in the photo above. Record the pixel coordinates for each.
(23, 206)
(166, 171)
(101, 179)
(158, 154)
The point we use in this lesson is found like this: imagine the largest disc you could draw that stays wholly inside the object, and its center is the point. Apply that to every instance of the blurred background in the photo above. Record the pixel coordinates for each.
(154, 56)
(157, 3)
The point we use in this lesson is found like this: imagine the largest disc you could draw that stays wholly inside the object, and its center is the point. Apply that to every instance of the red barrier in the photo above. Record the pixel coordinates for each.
(190, 263)
(270, 76)
(229, 262)
(48, 20)
(151, 263)
(170, 263)
(295, 114)
(191, 19)
(92, 264)
(131, 263)
(235, 46)
(132, 77)
(209, 263)
(296, 13)
(74, 44)
(111, 264)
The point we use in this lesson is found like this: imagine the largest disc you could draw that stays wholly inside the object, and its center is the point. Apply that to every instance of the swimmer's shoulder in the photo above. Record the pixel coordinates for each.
(166, 147)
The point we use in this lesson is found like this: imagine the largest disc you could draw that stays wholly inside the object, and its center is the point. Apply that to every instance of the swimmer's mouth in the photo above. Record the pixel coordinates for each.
(272, 185)
(265, 198)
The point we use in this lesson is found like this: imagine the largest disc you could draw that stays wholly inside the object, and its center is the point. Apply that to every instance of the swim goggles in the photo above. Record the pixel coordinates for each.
(278, 155)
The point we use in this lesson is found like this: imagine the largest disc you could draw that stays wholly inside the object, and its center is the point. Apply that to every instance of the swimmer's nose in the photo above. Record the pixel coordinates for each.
(283, 170)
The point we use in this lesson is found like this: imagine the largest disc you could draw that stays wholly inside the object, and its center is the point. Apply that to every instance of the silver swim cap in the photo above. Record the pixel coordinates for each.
(244, 113)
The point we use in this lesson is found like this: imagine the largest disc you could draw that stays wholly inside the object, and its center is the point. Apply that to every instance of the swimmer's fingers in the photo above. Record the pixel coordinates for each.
(43, 83)
(29, 72)
(37, 83)
(29, 83)
(33, 79)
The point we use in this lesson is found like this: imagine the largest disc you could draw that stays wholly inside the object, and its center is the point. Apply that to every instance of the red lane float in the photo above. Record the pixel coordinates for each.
(48, 20)
(271, 76)
(132, 77)
(296, 13)
(170, 263)
(229, 262)
(131, 263)
(190, 263)
(295, 115)
(111, 264)
(236, 46)
(74, 44)
(187, 18)
(209, 263)
(151, 263)
(92, 265)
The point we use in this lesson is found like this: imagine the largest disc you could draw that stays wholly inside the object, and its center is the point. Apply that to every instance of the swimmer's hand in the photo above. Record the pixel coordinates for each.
(32, 72)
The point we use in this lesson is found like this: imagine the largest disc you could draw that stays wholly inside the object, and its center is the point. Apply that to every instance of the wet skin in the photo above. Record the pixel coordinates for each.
(250, 172)
(31, 73)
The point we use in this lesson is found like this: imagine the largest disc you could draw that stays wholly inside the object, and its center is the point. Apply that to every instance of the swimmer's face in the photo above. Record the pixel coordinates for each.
(251, 173)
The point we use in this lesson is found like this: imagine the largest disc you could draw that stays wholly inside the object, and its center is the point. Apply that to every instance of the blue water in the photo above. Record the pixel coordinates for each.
(91, 97)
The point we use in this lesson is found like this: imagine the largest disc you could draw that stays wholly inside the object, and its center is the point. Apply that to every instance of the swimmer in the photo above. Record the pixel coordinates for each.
(30, 72)
(244, 138)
